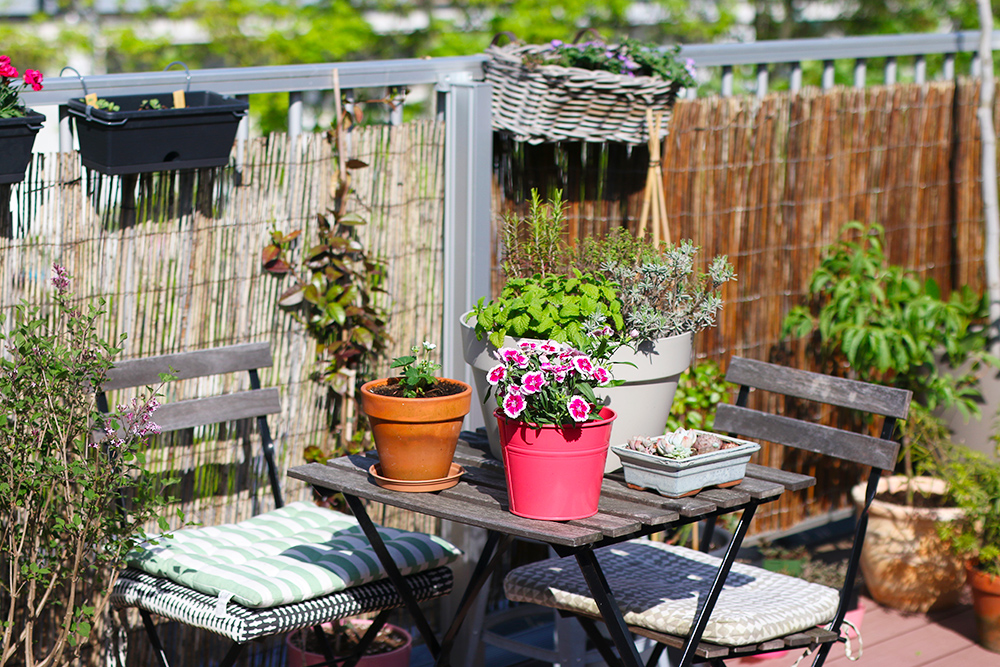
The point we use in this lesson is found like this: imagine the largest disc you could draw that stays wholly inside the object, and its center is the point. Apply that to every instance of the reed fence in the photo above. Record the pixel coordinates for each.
(769, 182)
(177, 259)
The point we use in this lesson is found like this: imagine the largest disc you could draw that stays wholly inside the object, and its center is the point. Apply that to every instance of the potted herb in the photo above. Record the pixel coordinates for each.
(876, 322)
(683, 462)
(132, 134)
(588, 91)
(554, 432)
(390, 648)
(18, 124)
(650, 297)
(415, 419)
(974, 484)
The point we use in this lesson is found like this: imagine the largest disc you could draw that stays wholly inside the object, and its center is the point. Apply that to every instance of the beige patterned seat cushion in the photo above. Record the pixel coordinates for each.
(658, 587)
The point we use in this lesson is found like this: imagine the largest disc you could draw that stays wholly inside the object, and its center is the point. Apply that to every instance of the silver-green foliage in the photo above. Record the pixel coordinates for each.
(664, 295)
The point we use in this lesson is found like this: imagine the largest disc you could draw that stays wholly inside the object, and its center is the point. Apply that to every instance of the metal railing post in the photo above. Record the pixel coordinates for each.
(890, 71)
(65, 131)
(294, 118)
(827, 74)
(467, 229)
(860, 72)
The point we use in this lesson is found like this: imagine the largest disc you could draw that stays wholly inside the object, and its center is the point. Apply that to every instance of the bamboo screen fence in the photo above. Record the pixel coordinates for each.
(186, 274)
(769, 182)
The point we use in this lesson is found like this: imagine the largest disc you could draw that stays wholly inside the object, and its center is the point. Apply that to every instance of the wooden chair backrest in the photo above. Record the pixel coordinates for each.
(255, 403)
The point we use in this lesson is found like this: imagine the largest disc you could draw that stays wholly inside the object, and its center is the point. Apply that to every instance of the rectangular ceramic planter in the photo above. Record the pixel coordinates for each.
(130, 141)
(675, 478)
(17, 136)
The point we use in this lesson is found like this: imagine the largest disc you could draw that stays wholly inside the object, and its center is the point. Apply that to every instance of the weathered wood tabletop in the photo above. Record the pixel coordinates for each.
(480, 499)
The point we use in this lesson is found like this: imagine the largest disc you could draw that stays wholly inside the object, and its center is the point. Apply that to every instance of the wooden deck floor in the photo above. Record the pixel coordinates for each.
(895, 639)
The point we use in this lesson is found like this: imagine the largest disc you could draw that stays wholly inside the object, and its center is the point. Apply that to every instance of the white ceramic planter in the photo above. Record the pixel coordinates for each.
(676, 478)
(642, 402)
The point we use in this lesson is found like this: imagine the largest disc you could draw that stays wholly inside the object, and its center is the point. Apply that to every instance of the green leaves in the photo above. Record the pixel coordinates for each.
(551, 306)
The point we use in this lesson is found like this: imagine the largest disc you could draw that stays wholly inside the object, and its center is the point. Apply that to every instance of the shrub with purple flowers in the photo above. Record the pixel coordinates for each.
(63, 533)
(628, 58)
(550, 382)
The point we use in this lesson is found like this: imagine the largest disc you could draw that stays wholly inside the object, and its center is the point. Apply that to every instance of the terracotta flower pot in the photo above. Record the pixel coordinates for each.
(415, 437)
(398, 657)
(554, 473)
(986, 603)
(905, 564)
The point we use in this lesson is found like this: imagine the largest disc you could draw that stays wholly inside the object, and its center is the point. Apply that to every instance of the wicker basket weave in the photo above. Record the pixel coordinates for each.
(552, 103)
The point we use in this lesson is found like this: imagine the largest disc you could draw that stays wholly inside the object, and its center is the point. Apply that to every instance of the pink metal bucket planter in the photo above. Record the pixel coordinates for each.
(554, 473)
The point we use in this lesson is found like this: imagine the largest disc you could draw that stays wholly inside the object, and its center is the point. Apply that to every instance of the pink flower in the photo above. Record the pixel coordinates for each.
(533, 382)
(61, 278)
(33, 78)
(497, 374)
(602, 375)
(512, 356)
(583, 365)
(550, 347)
(7, 70)
(579, 409)
(528, 346)
(513, 404)
(4, 60)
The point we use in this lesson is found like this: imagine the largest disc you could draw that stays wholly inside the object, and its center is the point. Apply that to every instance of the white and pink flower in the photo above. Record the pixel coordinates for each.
(579, 409)
(497, 374)
(513, 357)
(583, 365)
(533, 382)
(601, 375)
(514, 404)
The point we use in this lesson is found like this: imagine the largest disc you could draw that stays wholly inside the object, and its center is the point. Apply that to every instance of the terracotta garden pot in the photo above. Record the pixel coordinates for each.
(986, 603)
(398, 657)
(554, 473)
(905, 564)
(415, 437)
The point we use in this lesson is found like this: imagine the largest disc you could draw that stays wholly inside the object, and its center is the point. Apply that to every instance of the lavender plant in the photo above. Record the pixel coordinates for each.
(63, 535)
(663, 295)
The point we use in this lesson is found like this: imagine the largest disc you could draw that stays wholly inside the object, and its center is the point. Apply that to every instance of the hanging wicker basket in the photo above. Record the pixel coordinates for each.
(548, 103)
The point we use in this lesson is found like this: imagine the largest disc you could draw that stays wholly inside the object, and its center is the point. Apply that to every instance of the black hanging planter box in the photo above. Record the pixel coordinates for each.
(17, 136)
(131, 141)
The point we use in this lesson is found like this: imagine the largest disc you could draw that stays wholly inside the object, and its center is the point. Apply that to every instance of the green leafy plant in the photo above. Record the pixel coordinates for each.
(11, 105)
(700, 389)
(664, 296)
(639, 289)
(337, 296)
(883, 325)
(106, 105)
(150, 105)
(974, 486)
(628, 58)
(63, 536)
(557, 307)
(416, 376)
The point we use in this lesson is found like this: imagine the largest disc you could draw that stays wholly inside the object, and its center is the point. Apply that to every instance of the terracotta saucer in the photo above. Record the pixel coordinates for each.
(417, 485)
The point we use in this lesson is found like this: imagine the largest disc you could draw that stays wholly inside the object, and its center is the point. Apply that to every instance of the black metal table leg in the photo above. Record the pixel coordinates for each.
(608, 607)
(701, 619)
(485, 566)
(361, 514)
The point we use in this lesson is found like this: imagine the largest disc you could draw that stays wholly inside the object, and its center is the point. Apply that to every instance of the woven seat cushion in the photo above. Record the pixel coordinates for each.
(289, 555)
(165, 598)
(658, 586)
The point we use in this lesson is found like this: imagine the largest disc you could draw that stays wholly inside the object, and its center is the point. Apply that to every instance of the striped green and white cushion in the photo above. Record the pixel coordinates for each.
(292, 554)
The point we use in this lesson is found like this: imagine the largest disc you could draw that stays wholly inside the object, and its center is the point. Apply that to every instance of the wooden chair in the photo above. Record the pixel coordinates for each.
(659, 587)
(240, 580)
